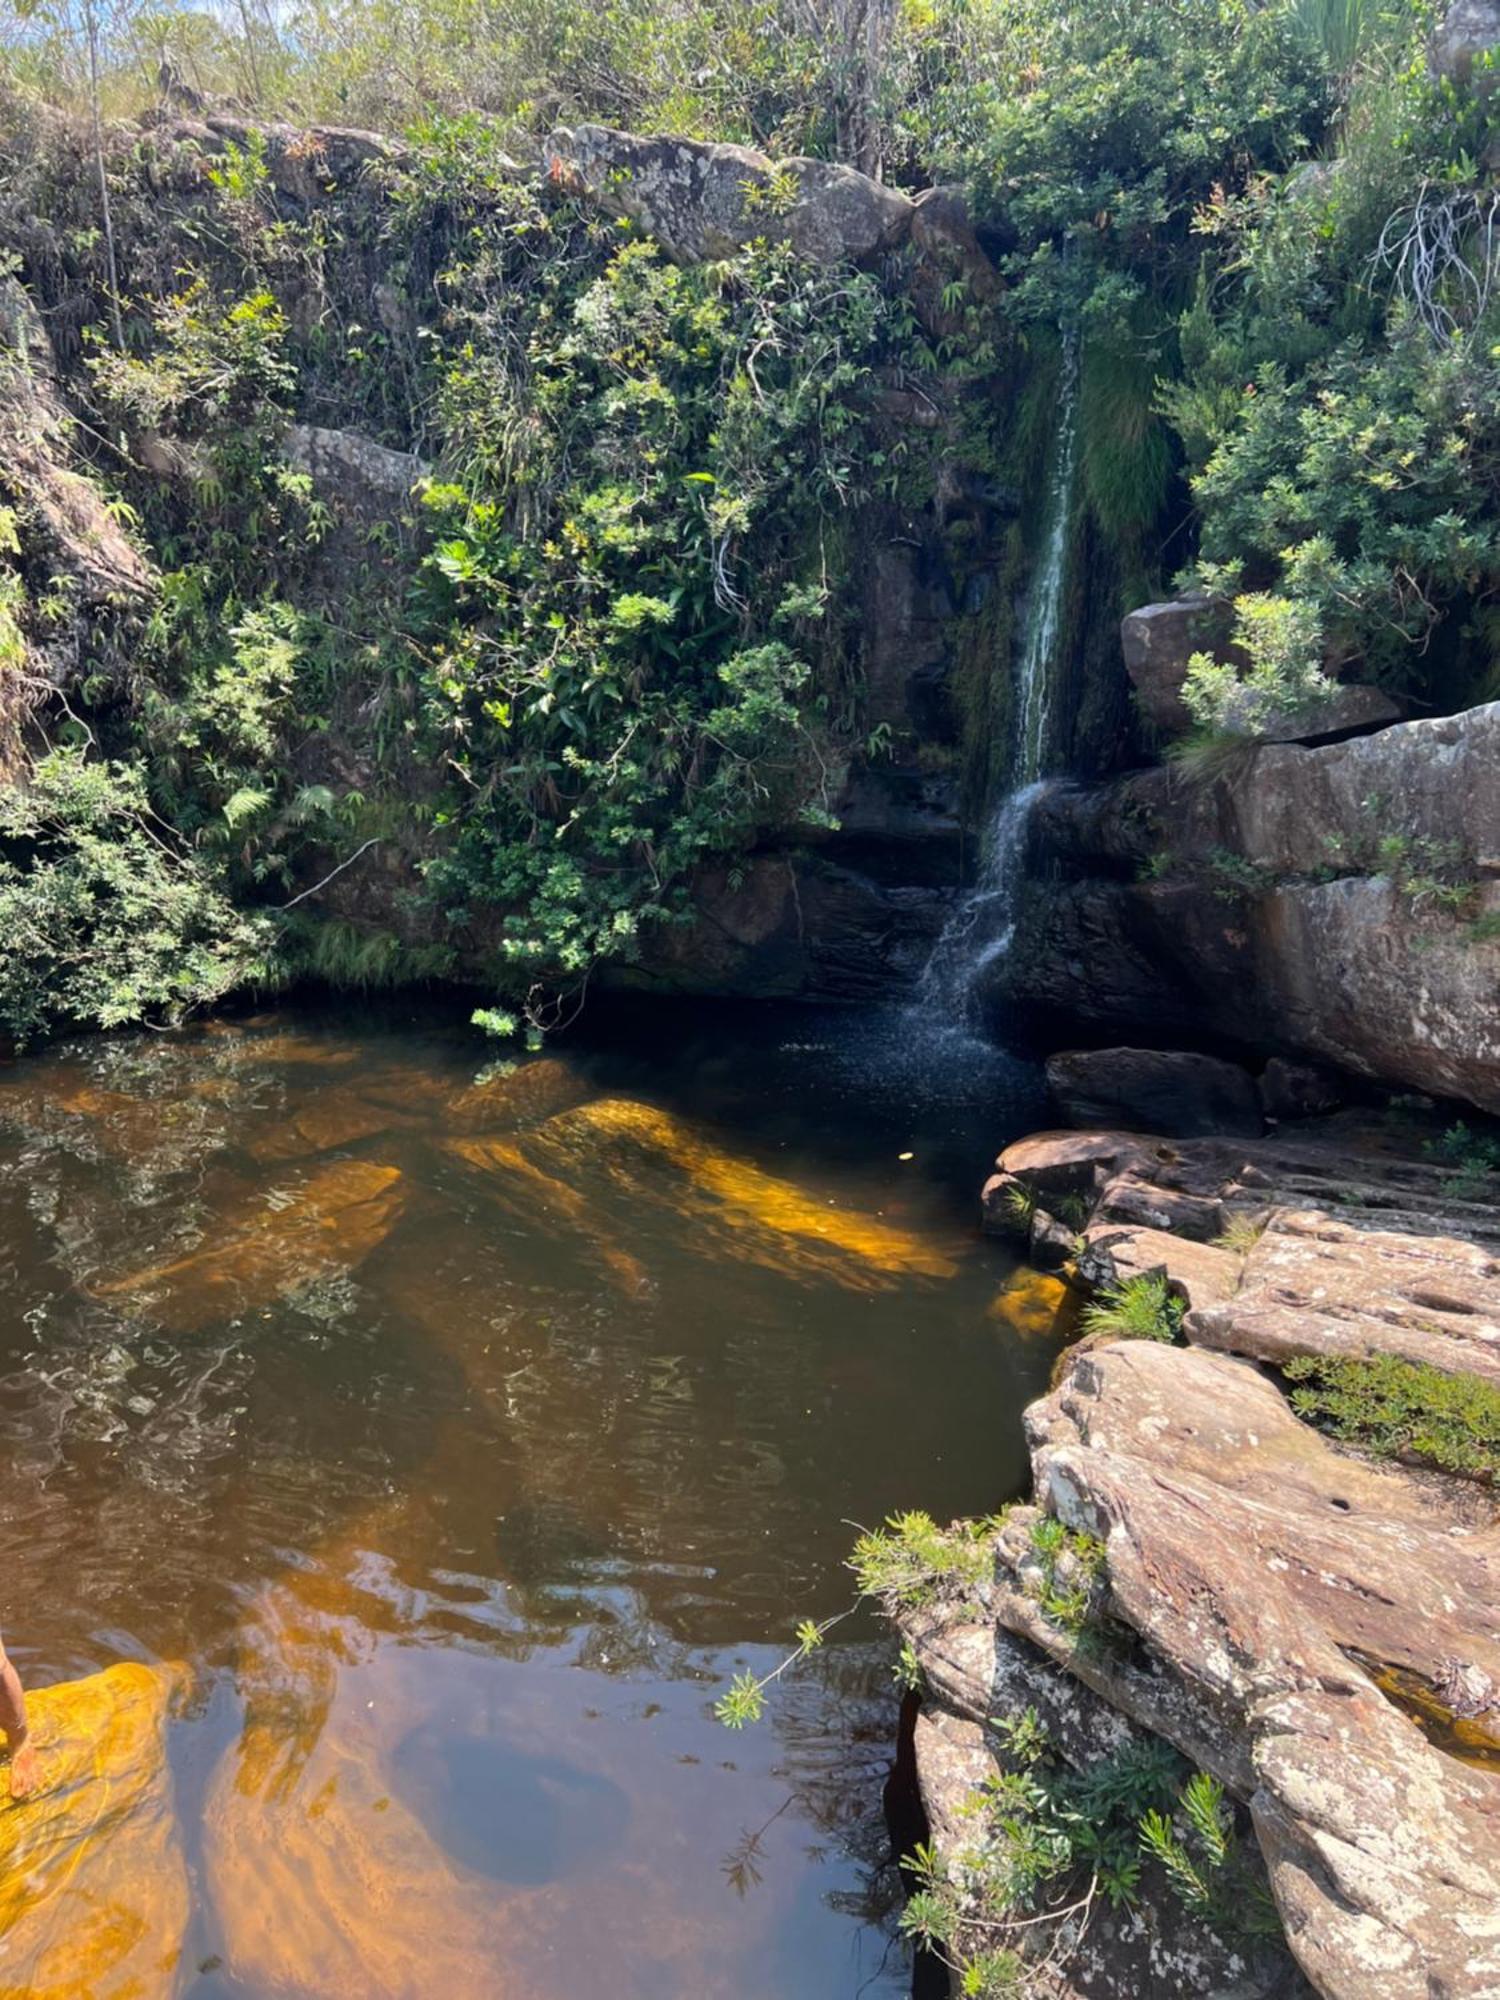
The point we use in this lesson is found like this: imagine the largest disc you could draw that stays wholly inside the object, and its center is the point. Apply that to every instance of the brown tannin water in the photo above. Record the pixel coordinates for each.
(461, 1440)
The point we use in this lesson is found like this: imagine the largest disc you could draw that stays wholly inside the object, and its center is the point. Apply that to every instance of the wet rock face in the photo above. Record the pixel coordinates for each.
(1333, 902)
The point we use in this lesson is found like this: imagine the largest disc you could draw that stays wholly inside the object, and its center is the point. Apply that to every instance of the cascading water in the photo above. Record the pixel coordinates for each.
(981, 928)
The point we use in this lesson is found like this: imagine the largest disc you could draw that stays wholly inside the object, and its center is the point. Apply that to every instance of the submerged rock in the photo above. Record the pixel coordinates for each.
(644, 1154)
(93, 1882)
(330, 1223)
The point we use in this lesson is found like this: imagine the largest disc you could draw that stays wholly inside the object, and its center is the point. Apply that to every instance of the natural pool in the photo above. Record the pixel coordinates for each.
(462, 1439)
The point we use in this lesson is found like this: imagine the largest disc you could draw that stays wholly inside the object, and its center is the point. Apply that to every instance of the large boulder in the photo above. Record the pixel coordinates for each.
(703, 200)
(1338, 903)
(1171, 1091)
(1158, 640)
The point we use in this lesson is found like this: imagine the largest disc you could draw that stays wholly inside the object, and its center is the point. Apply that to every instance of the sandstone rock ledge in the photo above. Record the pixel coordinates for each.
(1314, 1628)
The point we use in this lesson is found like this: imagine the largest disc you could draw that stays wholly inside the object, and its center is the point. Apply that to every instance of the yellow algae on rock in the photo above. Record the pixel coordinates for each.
(93, 1884)
(1036, 1307)
(331, 1223)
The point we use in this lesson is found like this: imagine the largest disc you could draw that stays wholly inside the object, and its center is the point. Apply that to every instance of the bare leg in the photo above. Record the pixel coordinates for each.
(25, 1766)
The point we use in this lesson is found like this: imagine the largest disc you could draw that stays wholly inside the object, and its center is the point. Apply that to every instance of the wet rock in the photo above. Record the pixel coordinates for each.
(1036, 1307)
(639, 1153)
(94, 1884)
(1154, 1090)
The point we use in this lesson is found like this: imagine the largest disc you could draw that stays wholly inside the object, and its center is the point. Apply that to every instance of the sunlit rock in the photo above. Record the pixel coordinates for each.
(648, 1155)
(330, 1223)
(93, 1884)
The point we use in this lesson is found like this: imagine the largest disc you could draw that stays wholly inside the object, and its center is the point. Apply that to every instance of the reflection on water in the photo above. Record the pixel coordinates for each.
(462, 1436)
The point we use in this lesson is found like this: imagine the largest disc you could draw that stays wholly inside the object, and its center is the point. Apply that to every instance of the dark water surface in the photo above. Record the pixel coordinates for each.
(464, 1439)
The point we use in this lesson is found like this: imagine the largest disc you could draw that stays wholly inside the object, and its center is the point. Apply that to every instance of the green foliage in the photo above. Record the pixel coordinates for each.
(1402, 1409)
(647, 462)
(1338, 396)
(912, 1561)
(107, 916)
(1474, 1158)
(1143, 1308)
(1071, 1567)
(1045, 1839)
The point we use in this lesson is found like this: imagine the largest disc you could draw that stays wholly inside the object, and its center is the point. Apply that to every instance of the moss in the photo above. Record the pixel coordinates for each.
(1402, 1409)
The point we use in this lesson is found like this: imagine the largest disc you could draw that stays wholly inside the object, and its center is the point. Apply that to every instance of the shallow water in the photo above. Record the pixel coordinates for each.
(463, 1439)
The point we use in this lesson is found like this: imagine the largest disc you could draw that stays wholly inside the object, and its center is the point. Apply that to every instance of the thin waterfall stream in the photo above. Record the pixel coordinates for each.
(981, 928)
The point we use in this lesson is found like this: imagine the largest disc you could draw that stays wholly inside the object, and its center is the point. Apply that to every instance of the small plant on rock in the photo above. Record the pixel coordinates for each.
(1142, 1308)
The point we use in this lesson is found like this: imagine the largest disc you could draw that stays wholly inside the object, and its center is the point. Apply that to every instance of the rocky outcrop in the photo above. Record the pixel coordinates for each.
(701, 201)
(1155, 1090)
(365, 477)
(1314, 1628)
(1159, 641)
(1339, 902)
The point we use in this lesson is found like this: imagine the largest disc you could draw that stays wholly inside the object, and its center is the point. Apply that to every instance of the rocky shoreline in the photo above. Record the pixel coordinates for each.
(1308, 1622)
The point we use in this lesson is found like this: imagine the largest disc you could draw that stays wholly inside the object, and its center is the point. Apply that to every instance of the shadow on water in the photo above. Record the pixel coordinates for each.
(465, 1434)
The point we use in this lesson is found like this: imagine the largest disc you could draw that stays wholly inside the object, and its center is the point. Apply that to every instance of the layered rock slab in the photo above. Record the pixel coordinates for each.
(1270, 1578)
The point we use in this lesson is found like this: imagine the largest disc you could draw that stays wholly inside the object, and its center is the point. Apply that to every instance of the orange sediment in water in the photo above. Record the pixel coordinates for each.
(331, 1223)
(93, 1884)
(1036, 1307)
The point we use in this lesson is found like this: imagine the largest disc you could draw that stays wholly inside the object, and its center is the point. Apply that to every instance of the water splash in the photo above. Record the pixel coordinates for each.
(979, 932)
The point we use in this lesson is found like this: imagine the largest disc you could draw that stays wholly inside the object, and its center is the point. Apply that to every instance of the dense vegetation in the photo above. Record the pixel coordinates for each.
(614, 631)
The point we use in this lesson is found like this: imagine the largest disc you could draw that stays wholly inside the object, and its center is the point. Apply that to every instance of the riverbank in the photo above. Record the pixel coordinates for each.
(1263, 1536)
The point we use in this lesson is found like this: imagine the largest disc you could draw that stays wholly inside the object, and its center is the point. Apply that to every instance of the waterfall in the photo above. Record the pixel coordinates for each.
(980, 929)
(1034, 676)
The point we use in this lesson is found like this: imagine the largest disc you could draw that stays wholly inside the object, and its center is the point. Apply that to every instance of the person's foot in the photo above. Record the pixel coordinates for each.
(25, 1772)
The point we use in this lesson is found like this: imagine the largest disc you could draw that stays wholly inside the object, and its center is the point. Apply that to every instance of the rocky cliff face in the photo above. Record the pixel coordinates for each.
(1314, 1628)
(1339, 901)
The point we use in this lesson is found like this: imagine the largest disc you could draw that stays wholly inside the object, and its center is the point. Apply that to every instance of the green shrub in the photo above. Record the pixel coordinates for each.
(1402, 1409)
(107, 916)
